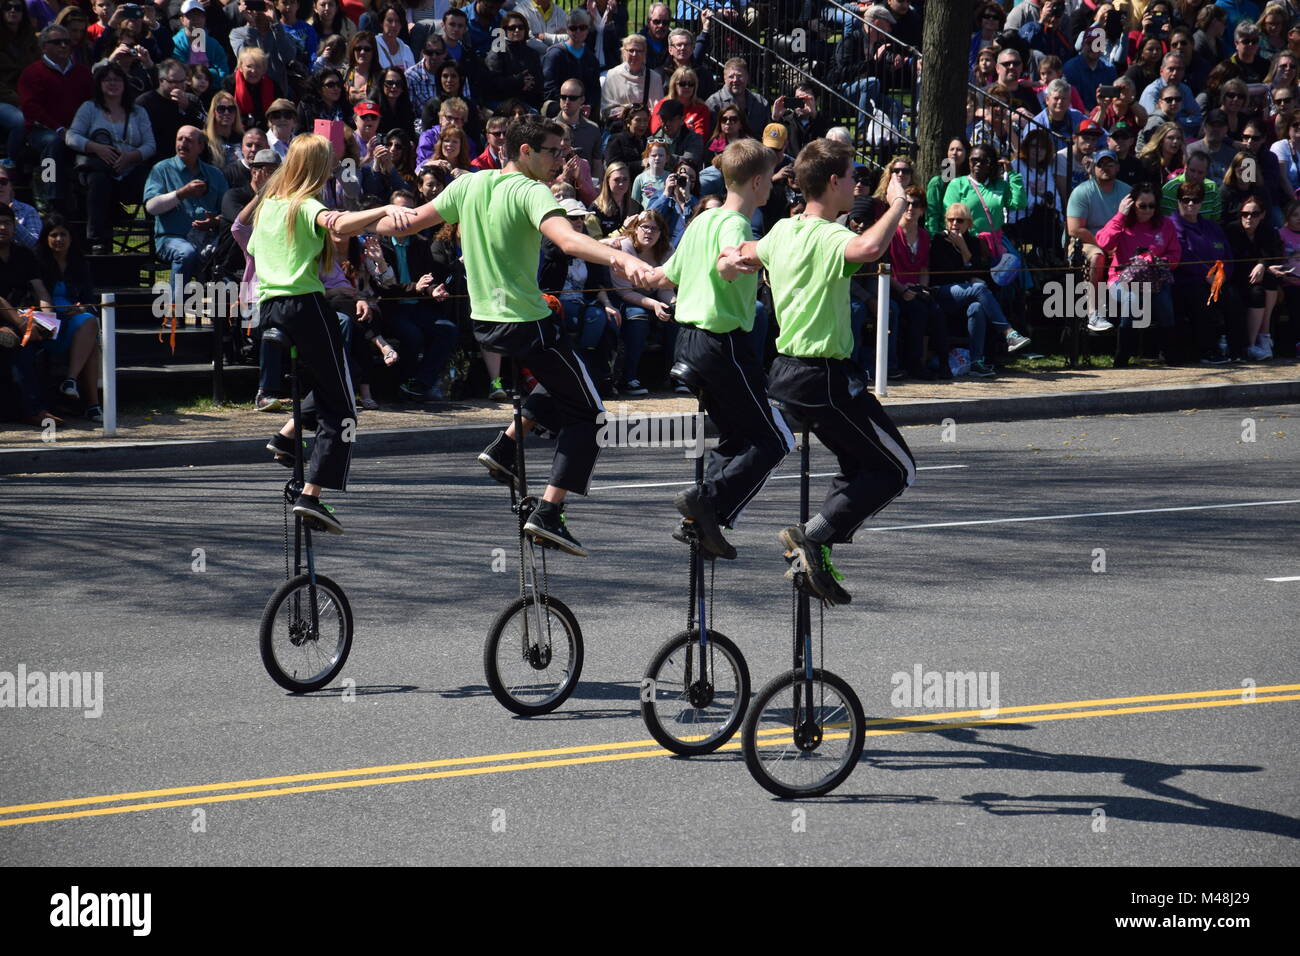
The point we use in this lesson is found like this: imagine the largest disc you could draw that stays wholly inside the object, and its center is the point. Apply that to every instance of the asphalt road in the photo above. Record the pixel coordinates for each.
(99, 576)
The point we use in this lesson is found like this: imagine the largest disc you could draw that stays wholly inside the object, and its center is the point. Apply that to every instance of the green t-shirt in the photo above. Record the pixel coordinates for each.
(704, 298)
(500, 214)
(287, 266)
(810, 281)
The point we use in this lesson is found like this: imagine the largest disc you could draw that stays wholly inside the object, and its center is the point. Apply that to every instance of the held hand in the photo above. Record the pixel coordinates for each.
(440, 292)
(401, 216)
(733, 261)
(634, 270)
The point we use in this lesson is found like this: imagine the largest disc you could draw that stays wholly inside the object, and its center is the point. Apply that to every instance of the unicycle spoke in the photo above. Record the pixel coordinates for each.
(300, 653)
(691, 709)
(533, 675)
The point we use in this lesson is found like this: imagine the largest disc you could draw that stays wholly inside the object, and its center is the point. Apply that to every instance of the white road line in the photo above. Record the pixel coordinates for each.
(820, 474)
(1088, 514)
(1279, 580)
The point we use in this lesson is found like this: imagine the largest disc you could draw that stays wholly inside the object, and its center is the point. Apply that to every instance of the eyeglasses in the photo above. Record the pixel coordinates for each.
(1251, 213)
(1146, 205)
(1189, 201)
(658, 23)
(496, 132)
(913, 203)
(570, 96)
(729, 119)
(1250, 137)
(393, 84)
(516, 26)
(330, 85)
(578, 27)
(1245, 42)
(1234, 96)
(1283, 100)
(685, 86)
(225, 108)
(900, 170)
(1008, 63)
(365, 49)
(1171, 99)
(648, 225)
(955, 219)
(990, 16)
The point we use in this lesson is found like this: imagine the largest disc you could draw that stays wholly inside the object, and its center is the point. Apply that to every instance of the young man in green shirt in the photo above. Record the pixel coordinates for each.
(503, 214)
(716, 316)
(810, 262)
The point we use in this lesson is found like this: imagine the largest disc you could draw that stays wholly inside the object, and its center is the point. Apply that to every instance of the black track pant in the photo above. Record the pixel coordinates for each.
(875, 463)
(565, 403)
(753, 438)
(329, 407)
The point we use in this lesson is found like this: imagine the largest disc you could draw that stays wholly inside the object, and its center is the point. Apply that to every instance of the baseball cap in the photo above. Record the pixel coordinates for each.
(1122, 130)
(364, 108)
(775, 136)
(189, 5)
(573, 207)
(1101, 154)
(1090, 128)
(266, 157)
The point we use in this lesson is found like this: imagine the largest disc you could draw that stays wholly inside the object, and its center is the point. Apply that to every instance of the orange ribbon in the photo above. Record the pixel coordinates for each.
(31, 321)
(1216, 277)
(172, 319)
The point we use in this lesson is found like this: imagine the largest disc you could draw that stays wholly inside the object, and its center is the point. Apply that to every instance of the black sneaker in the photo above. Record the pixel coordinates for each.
(695, 506)
(319, 516)
(282, 448)
(499, 459)
(549, 529)
(412, 390)
(815, 561)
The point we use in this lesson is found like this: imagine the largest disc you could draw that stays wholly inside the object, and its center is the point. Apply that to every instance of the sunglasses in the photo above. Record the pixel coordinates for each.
(570, 96)
(1251, 213)
(280, 114)
(394, 84)
(1189, 201)
(990, 16)
(1171, 99)
(730, 119)
(1008, 63)
(1254, 42)
(955, 219)
(1250, 137)
(365, 49)
(224, 108)
(914, 203)
(686, 86)
(330, 85)
(1283, 100)
(1146, 205)
(579, 27)
(658, 23)
(434, 52)
(900, 170)
(516, 26)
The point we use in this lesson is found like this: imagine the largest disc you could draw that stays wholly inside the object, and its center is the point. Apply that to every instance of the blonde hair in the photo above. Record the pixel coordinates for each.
(743, 160)
(303, 174)
(216, 141)
(679, 74)
(251, 54)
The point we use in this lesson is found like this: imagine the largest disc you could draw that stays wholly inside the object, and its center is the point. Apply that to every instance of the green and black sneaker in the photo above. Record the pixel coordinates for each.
(550, 530)
(318, 514)
(282, 448)
(815, 561)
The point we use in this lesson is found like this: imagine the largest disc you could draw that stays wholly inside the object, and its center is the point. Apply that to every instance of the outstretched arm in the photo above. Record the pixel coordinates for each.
(413, 221)
(736, 260)
(355, 223)
(581, 245)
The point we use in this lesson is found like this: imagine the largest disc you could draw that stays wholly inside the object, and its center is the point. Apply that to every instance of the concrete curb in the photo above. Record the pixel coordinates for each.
(114, 456)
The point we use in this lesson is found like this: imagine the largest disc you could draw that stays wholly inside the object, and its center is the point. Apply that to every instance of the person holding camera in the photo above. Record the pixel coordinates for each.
(909, 280)
(260, 32)
(678, 200)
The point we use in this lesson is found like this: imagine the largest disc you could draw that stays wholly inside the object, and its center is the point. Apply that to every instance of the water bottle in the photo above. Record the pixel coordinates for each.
(1223, 346)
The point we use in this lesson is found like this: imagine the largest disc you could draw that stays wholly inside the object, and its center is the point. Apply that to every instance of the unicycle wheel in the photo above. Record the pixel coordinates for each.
(692, 710)
(533, 655)
(299, 656)
(797, 747)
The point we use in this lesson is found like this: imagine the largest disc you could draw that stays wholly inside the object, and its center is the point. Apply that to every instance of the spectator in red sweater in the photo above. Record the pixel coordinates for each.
(50, 92)
(494, 156)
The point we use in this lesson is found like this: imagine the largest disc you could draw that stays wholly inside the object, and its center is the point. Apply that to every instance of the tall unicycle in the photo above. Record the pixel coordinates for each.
(306, 629)
(805, 731)
(696, 688)
(533, 655)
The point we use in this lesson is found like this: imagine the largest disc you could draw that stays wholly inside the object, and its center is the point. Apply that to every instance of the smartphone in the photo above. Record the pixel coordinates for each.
(1107, 92)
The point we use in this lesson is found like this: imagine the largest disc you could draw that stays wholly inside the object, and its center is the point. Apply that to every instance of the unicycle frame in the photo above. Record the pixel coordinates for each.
(697, 616)
(803, 651)
(293, 487)
(523, 504)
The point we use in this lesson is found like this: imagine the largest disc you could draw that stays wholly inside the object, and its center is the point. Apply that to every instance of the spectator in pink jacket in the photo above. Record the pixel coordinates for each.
(1144, 249)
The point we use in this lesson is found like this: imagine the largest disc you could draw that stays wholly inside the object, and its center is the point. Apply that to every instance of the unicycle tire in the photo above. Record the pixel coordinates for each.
(524, 683)
(821, 756)
(687, 720)
(295, 659)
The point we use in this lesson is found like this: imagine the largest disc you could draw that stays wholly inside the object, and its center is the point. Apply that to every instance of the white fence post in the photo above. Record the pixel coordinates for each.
(882, 330)
(108, 310)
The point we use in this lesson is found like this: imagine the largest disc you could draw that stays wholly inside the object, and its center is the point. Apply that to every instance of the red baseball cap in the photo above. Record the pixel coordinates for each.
(367, 108)
(1090, 126)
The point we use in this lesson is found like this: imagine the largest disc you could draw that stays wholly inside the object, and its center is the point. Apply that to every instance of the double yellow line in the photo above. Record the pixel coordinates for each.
(322, 781)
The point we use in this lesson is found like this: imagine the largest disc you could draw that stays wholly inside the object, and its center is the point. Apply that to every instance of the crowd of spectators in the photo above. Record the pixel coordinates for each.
(1147, 141)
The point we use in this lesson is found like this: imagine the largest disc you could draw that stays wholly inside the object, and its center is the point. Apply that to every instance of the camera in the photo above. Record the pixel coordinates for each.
(1107, 92)
(132, 11)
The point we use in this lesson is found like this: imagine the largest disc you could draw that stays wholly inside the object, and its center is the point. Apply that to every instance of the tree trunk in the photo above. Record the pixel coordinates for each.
(944, 71)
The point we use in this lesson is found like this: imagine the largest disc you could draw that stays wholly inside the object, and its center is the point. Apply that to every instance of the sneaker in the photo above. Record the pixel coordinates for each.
(1016, 341)
(412, 390)
(696, 506)
(681, 388)
(550, 530)
(267, 403)
(69, 389)
(895, 375)
(498, 392)
(96, 414)
(1265, 344)
(317, 514)
(499, 459)
(1256, 354)
(282, 448)
(1098, 324)
(1214, 358)
(433, 394)
(982, 369)
(634, 387)
(815, 561)
(605, 389)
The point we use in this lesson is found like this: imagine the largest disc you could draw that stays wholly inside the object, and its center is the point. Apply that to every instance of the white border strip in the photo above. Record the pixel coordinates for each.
(1088, 514)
